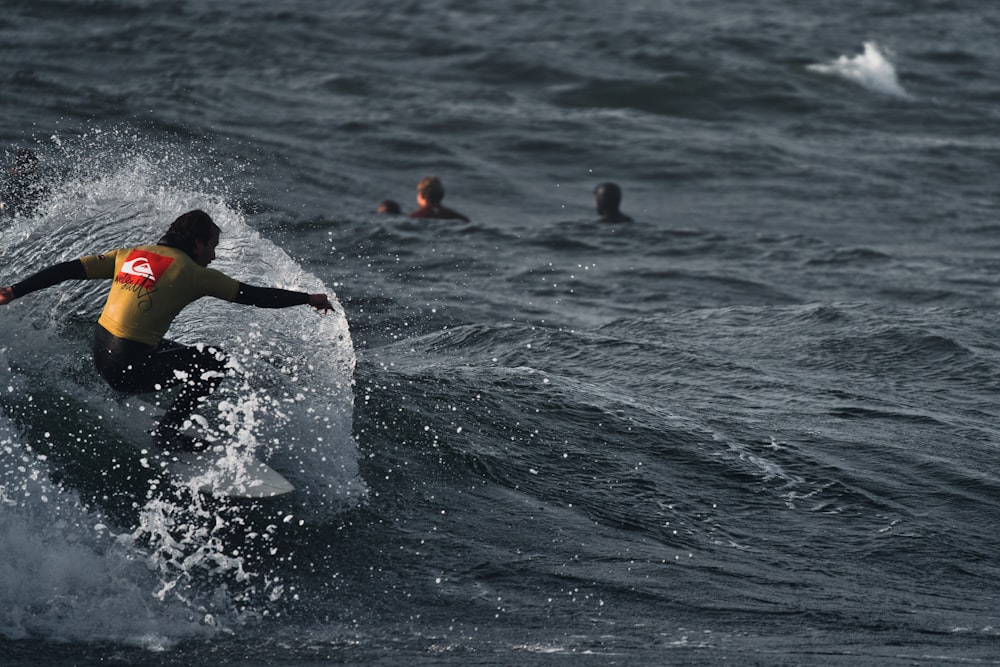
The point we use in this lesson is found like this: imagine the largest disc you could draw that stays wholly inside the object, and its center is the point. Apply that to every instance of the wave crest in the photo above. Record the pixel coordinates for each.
(872, 70)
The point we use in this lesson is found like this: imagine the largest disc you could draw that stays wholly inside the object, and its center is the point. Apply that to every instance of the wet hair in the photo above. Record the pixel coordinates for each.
(388, 206)
(609, 197)
(431, 188)
(194, 226)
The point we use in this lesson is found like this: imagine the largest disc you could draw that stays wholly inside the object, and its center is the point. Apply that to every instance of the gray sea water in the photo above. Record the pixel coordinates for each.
(757, 426)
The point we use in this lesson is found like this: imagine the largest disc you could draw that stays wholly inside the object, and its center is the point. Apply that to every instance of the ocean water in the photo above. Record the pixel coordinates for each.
(757, 426)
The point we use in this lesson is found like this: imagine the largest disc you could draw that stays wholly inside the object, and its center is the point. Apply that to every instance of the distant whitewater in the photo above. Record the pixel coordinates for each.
(872, 70)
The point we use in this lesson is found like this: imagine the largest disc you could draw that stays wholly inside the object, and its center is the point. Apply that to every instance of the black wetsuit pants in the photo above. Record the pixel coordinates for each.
(134, 368)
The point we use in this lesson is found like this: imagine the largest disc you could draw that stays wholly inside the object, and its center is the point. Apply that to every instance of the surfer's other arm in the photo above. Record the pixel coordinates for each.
(53, 275)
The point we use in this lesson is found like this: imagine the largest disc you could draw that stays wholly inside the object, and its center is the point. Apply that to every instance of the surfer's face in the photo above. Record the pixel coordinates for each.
(204, 252)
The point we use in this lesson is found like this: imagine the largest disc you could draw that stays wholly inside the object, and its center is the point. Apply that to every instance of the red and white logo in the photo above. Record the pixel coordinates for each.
(139, 267)
(142, 267)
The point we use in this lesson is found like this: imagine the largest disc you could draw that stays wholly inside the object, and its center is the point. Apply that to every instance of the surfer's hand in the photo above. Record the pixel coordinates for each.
(320, 302)
(6, 295)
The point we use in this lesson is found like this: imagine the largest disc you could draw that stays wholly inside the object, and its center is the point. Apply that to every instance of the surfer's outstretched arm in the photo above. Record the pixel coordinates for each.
(320, 302)
(274, 297)
(53, 275)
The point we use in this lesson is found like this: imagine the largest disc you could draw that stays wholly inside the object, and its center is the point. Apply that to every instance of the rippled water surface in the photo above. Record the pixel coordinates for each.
(755, 426)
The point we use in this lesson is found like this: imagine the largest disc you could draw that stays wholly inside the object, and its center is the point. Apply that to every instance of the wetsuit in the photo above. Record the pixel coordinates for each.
(439, 212)
(614, 216)
(152, 284)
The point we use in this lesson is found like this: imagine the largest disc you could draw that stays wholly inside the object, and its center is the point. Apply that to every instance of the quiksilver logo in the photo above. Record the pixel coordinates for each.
(138, 274)
(139, 267)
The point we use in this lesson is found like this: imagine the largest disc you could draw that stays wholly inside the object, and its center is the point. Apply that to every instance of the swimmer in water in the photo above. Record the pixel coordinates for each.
(430, 192)
(608, 199)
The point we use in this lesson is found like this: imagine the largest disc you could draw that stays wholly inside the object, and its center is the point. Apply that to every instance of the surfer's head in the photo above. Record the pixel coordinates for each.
(431, 190)
(608, 197)
(196, 234)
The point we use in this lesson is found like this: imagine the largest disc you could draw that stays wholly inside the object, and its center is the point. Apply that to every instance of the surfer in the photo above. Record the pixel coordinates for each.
(608, 197)
(151, 285)
(430, 192)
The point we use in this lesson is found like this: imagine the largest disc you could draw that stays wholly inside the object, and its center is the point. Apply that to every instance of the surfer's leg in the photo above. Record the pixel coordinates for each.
(196, 371)
(134, 368)
(122, 362)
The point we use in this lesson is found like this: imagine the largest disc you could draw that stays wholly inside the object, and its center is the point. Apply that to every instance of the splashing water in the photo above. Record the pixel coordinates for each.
(871, 70)
(93, 544)
(66, 573)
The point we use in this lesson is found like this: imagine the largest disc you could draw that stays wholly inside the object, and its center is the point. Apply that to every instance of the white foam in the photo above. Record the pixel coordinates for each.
(872, 70)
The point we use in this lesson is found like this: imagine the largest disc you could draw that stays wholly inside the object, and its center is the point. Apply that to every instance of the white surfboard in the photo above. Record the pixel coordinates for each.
(210, 470)
(215, 476)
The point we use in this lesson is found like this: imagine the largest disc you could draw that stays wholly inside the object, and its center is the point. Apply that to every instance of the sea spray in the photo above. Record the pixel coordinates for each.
(872, 70)
(65, 571)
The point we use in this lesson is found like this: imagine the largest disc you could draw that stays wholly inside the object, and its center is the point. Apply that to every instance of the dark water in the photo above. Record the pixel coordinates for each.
(756, 426)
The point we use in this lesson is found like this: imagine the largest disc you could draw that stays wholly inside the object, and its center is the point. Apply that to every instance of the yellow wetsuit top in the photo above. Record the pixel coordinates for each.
(152, 283)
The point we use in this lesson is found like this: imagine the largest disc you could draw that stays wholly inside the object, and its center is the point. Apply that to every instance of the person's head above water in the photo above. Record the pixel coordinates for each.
(430, 190)
(608, 199)
(388, 206)
(196, 234)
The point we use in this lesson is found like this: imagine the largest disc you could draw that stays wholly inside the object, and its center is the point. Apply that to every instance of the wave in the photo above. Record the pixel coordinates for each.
(164, 558)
